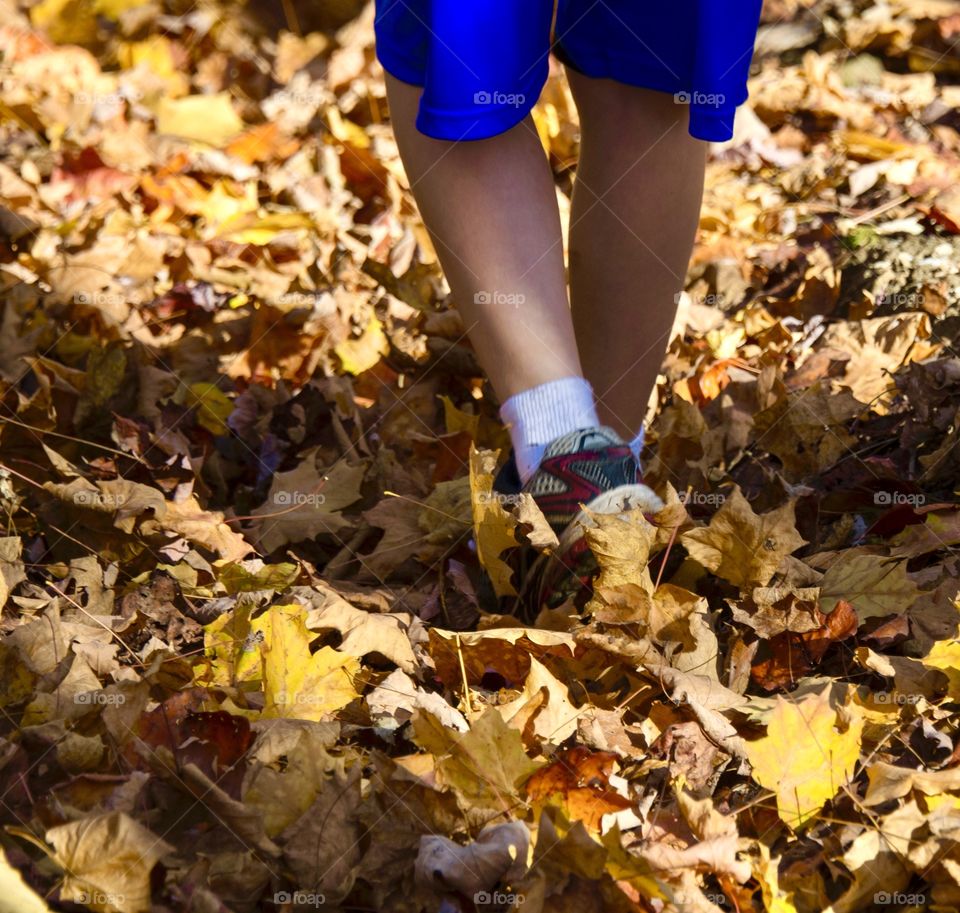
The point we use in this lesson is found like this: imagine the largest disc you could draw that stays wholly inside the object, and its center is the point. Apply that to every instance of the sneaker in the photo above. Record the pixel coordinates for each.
(593, 467)
(591, 470)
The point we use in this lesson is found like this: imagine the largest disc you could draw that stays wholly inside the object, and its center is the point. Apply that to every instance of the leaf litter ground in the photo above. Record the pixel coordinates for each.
(245, 448)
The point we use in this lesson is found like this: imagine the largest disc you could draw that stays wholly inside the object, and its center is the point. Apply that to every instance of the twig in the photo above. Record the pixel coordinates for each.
(463, 673)
(673, 538)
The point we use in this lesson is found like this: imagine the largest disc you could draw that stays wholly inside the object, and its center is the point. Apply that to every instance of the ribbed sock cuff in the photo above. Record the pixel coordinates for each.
(542, 414)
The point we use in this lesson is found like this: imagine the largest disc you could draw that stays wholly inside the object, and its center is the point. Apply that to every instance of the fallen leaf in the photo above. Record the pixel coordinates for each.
(206, 118)
(299, 684)
(305, 502)
(804, 757)
(742, 546)
(107, 860)
(492, 526)
(875, 586)
(15, 895)
(487, 766)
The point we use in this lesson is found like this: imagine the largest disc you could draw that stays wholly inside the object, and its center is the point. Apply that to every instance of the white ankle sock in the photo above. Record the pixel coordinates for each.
(541, 414)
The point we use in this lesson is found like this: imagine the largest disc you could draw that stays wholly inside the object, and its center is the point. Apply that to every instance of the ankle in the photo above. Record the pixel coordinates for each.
(541, 414)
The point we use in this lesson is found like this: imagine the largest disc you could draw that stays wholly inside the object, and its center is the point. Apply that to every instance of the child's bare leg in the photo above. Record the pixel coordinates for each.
(491, 209)
(635, 211)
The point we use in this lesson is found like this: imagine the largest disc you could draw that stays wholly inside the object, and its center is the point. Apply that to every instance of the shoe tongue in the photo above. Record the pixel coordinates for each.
(585, 439)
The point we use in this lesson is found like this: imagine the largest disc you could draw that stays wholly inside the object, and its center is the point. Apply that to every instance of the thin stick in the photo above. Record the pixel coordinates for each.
(291, 15)
(673, 538)
(463, 673)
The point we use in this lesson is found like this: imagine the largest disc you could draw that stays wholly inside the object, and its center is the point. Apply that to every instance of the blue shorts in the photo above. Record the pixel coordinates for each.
(483, 63)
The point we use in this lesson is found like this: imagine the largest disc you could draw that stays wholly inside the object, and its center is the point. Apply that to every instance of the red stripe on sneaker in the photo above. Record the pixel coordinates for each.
(578, 489)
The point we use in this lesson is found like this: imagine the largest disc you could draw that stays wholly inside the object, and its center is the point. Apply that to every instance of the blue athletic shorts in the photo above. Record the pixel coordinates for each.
(483, 63)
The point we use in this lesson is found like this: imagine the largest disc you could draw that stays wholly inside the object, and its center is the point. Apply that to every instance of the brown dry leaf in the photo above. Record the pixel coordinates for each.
(364, 632)
(293, 763)
(939, 530)
(878, 347)
(579, 781)
(306, 502)
(445, 514)
(716, 846)
(565, 849)
(888, 782)
(107, 858)
(689, 754)
(399, 518)
(153, 244)
(808, 429)
(544, 706)
(507, 651)
(532, 525)
(742, 546)
(204, 527)
(498, 855)
(11, 566)
(789, 656)
(323, 848)
(622, 544)
(874, 585)
(398, 696)
(876, 859)
(486, 767)
(682, 625)
(773, 610)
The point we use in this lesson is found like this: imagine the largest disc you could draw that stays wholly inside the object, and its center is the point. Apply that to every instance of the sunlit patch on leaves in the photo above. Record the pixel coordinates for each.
(807, 755)
(246, 471)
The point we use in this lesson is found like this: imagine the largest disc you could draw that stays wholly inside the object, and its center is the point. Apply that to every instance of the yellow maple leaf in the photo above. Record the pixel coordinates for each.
(66, 21)
(486, 766)
(261, 228)
(298, 684)
(766, 871)
(226, 203)
(457, 420)
(492, 526)
(230, 647)
(804, 757)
